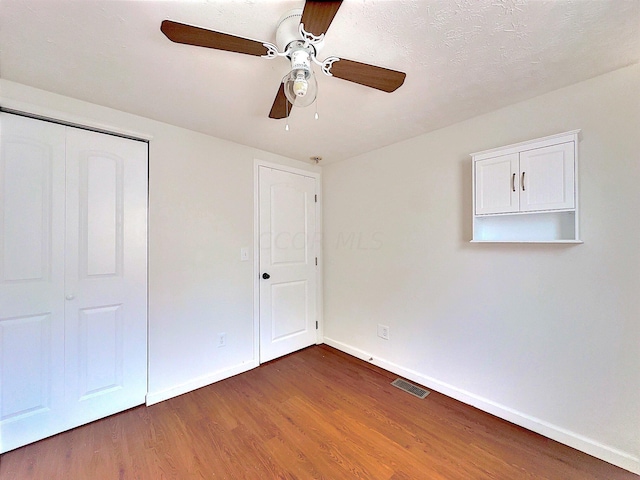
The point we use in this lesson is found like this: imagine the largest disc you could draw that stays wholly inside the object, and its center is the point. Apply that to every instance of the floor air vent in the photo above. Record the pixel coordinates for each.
(410, 388)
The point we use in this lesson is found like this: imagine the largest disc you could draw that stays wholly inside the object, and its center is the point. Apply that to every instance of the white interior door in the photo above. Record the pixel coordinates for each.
(105, 274)
(32, 182)
(287, 219)
(73, 277)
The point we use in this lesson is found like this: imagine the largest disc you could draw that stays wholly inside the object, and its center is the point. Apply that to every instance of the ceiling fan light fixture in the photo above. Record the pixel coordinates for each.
(300, 87)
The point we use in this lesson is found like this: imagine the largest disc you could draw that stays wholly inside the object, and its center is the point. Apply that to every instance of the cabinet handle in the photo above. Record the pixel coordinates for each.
(523, 181)
(513, 182)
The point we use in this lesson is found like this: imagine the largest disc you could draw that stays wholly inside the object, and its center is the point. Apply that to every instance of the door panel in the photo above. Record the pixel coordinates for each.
(101, 350)
(102, 196)
(27, 199)
(287, 218)
(25, 344)
(496, 185)
(288, 305)
(547, 178)
(32, 180)
(106, 265)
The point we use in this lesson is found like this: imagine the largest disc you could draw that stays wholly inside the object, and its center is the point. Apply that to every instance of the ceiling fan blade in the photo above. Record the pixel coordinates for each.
(368, 75)
(281, 107)
(201, 37)
(318, 15)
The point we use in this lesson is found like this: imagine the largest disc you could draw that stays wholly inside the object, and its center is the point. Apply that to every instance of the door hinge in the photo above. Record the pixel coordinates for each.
(316, 261)
(316, 324)
(316, 196)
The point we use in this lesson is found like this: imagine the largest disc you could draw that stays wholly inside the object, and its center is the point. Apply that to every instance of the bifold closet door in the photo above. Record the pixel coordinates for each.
(32, 198)
(73, 277)
(105, 275)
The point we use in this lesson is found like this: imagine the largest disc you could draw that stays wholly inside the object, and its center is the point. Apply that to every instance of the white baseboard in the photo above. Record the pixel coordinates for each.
(199, 382)
(574, 440)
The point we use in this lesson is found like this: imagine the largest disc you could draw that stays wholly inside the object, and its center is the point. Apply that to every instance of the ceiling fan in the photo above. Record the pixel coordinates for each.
(299, 38)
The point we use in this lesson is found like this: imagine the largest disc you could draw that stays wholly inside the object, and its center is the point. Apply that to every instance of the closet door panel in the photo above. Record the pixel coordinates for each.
(106, 268)
(26, 346)
(32, 183)
(26, 204)
(101, 205)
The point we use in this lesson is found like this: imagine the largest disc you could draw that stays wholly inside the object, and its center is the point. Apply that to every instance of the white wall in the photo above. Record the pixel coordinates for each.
(200, 215)
(547, 336)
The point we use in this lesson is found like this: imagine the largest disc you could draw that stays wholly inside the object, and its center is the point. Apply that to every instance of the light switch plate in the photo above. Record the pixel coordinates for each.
(244, 254)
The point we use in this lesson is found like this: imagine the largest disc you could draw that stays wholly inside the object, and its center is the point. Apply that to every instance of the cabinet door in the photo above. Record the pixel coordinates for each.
(496, 184)
(547, 178)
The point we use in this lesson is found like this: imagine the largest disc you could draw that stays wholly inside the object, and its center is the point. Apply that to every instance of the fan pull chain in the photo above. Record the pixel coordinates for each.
(316, 115)
(286, 109)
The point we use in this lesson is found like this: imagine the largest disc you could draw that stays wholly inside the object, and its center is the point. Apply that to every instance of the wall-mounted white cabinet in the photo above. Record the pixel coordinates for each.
(527, 192)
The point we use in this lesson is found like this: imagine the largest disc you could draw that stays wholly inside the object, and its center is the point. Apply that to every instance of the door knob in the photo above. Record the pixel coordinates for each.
(266, 276)
(70, 297)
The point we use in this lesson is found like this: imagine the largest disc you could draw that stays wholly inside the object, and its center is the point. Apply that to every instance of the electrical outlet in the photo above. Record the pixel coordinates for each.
(222, 339)
(383, 331)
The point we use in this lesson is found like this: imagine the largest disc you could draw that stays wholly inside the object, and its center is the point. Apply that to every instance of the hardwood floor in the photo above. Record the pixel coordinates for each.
(315, 414)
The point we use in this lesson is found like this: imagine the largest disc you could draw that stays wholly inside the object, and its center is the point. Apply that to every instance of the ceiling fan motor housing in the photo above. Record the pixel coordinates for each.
(288, 31)
(300, 60)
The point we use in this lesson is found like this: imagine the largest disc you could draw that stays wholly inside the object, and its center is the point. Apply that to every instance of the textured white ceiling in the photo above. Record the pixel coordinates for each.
(462, 58)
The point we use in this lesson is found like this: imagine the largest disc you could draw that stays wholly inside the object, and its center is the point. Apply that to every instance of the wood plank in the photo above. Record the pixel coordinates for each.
(315, 414)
